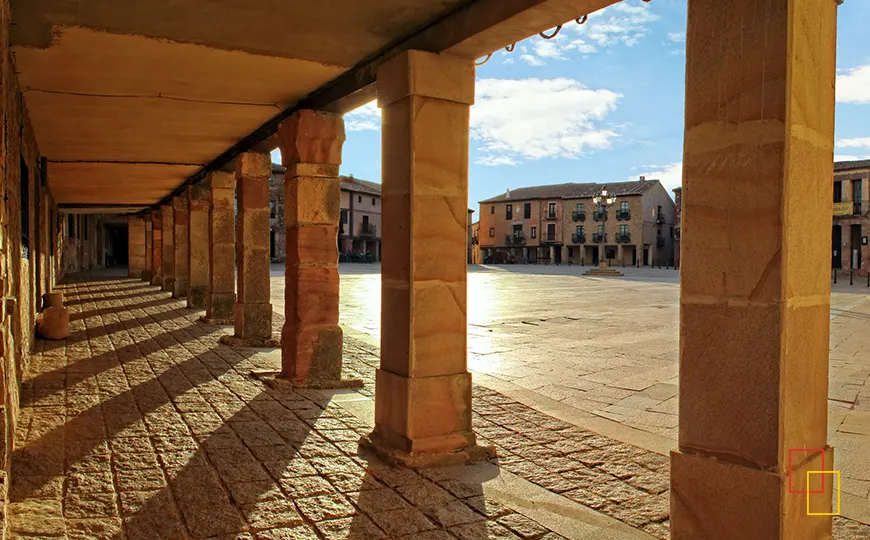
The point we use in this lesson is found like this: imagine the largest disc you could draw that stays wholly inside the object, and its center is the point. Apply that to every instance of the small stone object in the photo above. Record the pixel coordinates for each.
(53, 322)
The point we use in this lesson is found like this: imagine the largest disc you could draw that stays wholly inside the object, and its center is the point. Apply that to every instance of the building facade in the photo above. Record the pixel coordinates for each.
(359, 232)
(851, 226)
(560, 224)
(678, 221)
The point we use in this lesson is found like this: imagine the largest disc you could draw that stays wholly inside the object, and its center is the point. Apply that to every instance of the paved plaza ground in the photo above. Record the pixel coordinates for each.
(142, 426)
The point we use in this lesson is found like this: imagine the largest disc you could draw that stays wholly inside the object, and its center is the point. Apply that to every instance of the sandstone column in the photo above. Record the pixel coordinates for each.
(423, 386)
(755, 288)
(135, 246)
(147, 272)
(197, 241)
(180, 256)
(253, 311)
(157, 248)
(168, 214)
(311, 340)
(221, 296)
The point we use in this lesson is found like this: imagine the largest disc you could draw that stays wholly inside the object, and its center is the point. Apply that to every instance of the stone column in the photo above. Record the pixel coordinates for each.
(147, 272)
(157, 248)
(311, 340)
(220, 299)
(755, 290)
(253, 311)
(180, 257)
(197, 241)
(168, 214)
(423, 386)
(135, 246)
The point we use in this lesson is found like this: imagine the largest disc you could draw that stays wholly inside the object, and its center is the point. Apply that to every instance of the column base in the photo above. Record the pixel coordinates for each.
(711, 498)
(253, 321)
(220, 308)
(377, 445)
(168, 284)
(313, 352)
(179, 288)
(274, 380)
(196, 296)
(238, 342)
(147, 275)
(157, 279)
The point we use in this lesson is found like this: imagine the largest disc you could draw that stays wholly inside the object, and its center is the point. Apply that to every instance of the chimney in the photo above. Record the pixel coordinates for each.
(643, 178)
(507, 193)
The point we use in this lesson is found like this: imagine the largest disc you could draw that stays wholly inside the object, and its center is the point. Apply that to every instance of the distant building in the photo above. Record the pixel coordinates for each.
(359, 230)
(475, 243)
(851, 219)
(558, 223)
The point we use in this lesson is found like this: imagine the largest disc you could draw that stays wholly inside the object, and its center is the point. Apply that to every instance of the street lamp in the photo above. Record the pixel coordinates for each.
(603, 200)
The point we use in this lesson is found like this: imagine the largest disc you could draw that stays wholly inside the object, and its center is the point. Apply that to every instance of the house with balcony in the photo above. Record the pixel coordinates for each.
(851, 217)
(559, 223)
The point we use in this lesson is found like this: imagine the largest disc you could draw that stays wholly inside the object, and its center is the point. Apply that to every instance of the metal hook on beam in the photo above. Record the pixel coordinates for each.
(551, 36)
(581, 20)
(485, 60)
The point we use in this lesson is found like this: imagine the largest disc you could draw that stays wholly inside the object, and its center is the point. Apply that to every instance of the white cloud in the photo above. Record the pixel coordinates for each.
(539, 118)
(532, 60)
(677, 37)
(854, 143)
(853, 86)
(849, 157)
(367, 117)
(670, 175)
(548, 49)
(622, 23)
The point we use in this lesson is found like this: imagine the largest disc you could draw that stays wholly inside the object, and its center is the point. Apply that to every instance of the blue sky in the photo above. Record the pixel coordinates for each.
(603, 102)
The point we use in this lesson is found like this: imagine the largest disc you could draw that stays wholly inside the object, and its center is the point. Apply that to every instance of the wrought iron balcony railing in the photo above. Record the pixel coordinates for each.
(598, 238)
(623, 215)
(578, 238)
(623, 238)
(578, 216)
(368, 229)
(515, 239)
(599, 215)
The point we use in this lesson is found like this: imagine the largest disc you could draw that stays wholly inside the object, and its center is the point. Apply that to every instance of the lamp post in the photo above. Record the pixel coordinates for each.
(603, 200)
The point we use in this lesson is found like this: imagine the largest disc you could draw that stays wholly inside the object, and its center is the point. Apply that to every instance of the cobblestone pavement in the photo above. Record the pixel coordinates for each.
(141, 426)
(611, 347)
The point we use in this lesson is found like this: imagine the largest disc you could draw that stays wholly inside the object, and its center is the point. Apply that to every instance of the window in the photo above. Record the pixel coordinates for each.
(359, 198)
(508, 211)
(343, 218)
(624, 206)
(601, 229)
(534, 232)
(272, 209)
(579, 229)
(623, 229)
(551, 232)
(491, 232)
(551, 210)
(373, 201)
(492, 209)
(578, 207)
(659, 232)
(659, 213)
(838, 191)
(24, 177)
(527, 210)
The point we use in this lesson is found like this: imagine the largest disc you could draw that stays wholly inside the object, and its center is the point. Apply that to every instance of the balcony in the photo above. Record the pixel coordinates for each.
(660, 242)
(599, 215)
(598, 237)
(551, 216)
(368, 230)
(623, 215)
(579, 216)
(578, 238)
(623, 238)
(516, 239)
(847, 209)
(550, 239)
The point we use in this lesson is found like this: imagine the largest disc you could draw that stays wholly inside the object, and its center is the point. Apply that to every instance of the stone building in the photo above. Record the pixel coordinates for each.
(152, 110)
(558, 223)
(849, 237)
(360, 226)
(678, 220)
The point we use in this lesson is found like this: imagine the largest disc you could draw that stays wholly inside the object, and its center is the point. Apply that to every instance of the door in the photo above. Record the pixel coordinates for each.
(856, 246)
(551, 232)
(646, 256)
(594, 255)
(836, 243)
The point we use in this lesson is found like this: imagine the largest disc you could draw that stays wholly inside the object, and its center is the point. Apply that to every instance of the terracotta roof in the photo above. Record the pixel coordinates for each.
(574, 191)
(851, 165)
(349, 183)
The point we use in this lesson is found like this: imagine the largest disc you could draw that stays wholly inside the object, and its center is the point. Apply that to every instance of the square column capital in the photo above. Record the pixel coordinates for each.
(221, 180)
(253, 165)
(426, 74)
(311, 137)
(179, 202)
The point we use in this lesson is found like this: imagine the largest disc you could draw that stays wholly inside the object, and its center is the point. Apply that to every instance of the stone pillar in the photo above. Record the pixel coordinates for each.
(168, 214)
(157, 248)
(423, 386)
(180, 257)
(147, 272)
(135, 246)
(755, 289)
(311, 340)
(220, 299)
(253, 311)
(197, 240)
